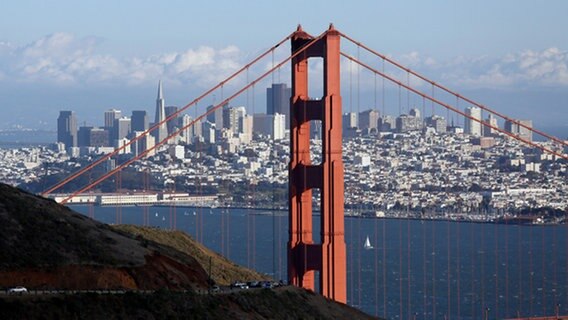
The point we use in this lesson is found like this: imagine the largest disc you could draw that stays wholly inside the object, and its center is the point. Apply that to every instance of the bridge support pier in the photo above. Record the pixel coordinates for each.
(329, 256)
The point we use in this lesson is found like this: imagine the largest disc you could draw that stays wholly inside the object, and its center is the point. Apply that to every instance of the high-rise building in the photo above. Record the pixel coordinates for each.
(172, 123)
(349, 121)
(216, 117)
(83, 136)
(231, 119)
(67, 129)
(208, 132)
(110, 116)
(142, 144)
(488, 131)
(273, 125)
(386, 123)
(139, 120)
(122, 128)
(437, 122)
(471, 126)
(278, 100)
(406, 122)
(186, 134)
(518, 130)
(99, 137)
(161, 132)
(245, 128)
(368, 119)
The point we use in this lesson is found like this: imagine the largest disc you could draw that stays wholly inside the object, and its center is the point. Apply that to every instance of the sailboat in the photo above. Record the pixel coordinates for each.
(367, 245)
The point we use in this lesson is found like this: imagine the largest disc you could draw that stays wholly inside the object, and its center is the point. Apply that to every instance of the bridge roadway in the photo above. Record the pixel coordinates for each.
(222, 290)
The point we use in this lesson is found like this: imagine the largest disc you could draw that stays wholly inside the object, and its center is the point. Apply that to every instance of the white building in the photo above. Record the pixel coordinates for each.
(273, 125)
(471, 126)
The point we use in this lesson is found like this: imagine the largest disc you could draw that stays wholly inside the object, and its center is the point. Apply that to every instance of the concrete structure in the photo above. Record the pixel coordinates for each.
(278, 100)
(368, 119)
(216, 117)
(437, 122)
(110, 116)
(67, 129)
(272, 125)
(122, 128)
(173, 123)
(489, 131)
(406, 122)
(471, 126)
(305, 257)
(519, 130)
(350, 121)
(139, 120)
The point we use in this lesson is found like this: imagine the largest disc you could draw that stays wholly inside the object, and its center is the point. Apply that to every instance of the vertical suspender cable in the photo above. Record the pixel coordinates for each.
(449, 271)
(400, 303)
(458, 268)
(409, 308)
(497, 255)
(434, 257)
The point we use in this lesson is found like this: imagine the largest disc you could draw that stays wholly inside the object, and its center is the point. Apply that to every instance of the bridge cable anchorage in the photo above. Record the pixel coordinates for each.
(144, 153)
(496, 113)
(454, 109)
(156, 125)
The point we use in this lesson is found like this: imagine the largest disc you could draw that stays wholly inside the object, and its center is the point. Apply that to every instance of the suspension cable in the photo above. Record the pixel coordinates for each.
(211, 110)
(454, 109)
(400, 66)
(170, 117)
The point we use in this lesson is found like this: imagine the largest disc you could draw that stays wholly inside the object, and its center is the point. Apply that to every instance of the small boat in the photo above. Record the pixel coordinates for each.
(156, 214)
(367, 245)
(194, 213)
(163, 218)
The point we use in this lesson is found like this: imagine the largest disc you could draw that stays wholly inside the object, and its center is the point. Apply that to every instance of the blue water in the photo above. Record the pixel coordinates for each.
(421, 270)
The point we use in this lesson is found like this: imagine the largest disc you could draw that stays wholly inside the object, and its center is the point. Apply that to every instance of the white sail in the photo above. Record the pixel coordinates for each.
(367, 244)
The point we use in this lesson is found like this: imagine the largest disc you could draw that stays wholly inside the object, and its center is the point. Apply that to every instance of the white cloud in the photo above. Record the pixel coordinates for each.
(548, 67)
(64, 59)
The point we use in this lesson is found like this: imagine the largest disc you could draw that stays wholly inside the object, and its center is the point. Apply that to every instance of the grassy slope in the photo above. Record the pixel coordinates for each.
(223, 270)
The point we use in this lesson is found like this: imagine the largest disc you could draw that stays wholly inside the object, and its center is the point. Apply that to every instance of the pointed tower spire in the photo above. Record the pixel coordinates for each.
(160, 94)
(160, 133)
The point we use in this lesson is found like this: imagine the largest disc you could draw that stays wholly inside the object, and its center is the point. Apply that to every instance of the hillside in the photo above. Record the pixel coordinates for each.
(282, 303)
(223, 270)
(47, 246)
(44, 245)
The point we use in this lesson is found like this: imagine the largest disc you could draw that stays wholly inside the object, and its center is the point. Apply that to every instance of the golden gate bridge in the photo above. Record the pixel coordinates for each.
(306, 256)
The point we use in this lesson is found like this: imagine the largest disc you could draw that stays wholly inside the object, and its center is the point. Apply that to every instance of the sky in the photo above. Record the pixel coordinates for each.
(89, 56)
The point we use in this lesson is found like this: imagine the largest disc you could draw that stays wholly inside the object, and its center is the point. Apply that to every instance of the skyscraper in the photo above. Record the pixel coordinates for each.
(122, 127)
(110, 116)
(173, 123)
(489, 131)
(139, 120)
(368, 119)
(67, 128)
(216, 117)
(161, 132)
(519, 131)
(471, 126)
(349, 120)
(278, 100)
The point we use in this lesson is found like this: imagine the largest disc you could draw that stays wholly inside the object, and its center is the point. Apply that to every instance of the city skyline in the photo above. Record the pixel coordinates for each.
(78, 63)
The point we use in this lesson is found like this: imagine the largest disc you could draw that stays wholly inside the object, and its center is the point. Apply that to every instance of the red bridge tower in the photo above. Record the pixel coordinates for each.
(304, 256)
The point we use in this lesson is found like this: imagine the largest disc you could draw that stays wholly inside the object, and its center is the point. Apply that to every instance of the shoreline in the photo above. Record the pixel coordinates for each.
(267, 211)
